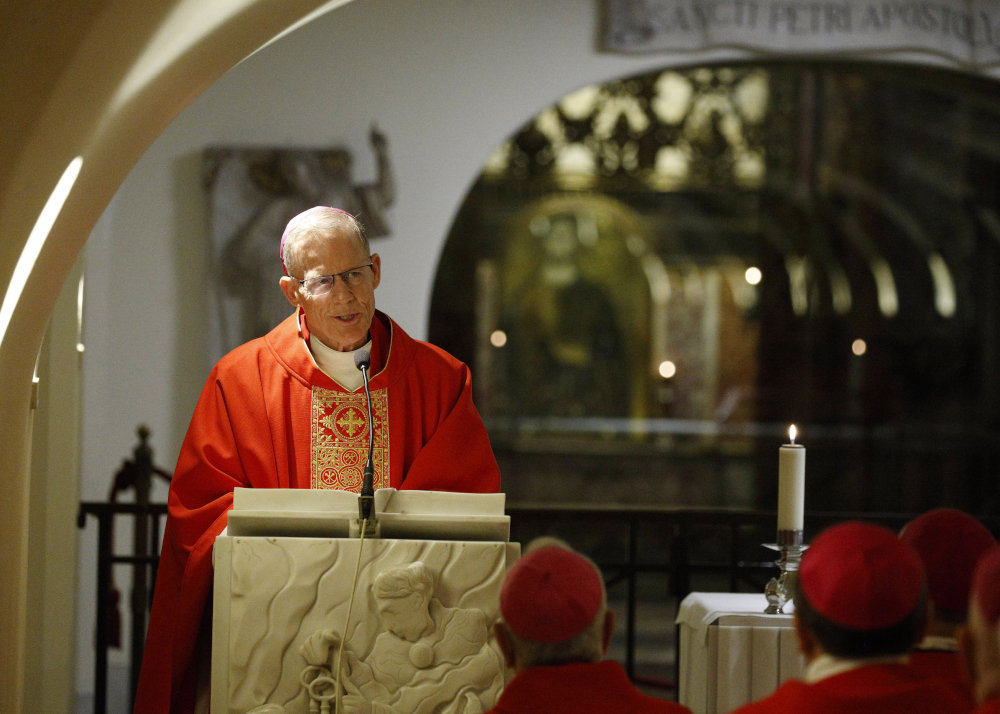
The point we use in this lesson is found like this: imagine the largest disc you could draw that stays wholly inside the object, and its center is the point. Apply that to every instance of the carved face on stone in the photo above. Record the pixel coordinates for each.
(406, 617)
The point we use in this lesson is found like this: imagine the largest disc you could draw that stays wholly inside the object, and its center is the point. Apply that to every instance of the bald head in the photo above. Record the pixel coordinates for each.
(320, 223)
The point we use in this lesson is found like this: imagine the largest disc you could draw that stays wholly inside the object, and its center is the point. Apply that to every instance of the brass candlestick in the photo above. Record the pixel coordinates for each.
(779, 591)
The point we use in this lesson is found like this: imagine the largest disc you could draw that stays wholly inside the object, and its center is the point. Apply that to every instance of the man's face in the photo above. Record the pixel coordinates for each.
(342, 317)
(404, 616)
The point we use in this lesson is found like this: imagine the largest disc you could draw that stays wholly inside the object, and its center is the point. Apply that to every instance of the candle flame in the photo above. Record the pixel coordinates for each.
(792, 431)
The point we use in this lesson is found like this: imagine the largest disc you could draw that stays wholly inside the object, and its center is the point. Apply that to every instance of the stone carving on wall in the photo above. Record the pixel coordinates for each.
(419, 640)
(253, 193)
(412, 666)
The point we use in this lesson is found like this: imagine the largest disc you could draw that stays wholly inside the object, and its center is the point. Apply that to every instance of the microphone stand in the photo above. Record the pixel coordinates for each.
(366, 500)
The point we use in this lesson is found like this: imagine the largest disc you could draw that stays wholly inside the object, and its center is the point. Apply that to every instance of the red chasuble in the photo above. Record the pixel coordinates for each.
(601, 688)
(269, 418)
(874, 689)
(949, 668)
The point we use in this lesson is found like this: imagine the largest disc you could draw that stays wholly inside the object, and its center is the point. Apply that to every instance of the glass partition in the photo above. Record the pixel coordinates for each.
(654, 277)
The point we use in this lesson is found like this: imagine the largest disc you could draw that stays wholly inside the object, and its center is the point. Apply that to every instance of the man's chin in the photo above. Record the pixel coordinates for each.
(344, 337)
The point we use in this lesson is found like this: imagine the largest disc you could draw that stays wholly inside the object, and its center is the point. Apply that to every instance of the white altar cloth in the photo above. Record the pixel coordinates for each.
(731, 652)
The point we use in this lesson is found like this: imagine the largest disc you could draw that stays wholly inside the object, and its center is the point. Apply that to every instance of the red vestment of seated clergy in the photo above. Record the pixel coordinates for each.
(579, 688)
(947, 666)
(268, 417)
(872, 689)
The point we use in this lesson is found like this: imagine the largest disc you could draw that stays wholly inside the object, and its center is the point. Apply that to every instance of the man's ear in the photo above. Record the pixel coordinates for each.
(376, 270)
(607, 630)
(808, 645)
(290, 287)
(506, 644)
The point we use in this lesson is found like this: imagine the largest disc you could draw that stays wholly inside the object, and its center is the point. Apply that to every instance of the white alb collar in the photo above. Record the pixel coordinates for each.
(827, 665)
(338, 366)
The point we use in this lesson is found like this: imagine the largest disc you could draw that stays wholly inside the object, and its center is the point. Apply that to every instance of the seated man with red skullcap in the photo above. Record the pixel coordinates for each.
(949, 543)
(860, 607)
(555, 631)
(288, 410)
(980, 640)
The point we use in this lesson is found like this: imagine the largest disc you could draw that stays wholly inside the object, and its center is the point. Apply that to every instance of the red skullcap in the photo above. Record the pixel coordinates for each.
(314, 209)
(550, 595)
(986, 585)
(861, 576)
(949, 543)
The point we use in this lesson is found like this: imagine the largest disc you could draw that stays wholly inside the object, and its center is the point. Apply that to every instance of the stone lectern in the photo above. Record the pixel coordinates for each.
(427, 592)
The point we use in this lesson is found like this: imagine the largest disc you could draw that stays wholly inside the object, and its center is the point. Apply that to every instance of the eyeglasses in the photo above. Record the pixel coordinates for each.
(322, 284)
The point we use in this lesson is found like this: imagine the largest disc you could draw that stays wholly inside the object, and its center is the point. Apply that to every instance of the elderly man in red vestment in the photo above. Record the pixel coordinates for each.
(949, 543)
(288, 411)
(980, 640)
(555, 631)
(860, 606)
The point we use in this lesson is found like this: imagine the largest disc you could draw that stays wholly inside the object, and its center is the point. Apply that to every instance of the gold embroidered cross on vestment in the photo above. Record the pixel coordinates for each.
(339, 439)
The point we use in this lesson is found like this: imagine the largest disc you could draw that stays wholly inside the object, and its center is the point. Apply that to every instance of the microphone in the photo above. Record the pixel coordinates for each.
(366, 501)
(362, 359)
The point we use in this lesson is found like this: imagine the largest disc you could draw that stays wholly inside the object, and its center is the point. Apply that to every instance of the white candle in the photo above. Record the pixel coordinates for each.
(791, 484)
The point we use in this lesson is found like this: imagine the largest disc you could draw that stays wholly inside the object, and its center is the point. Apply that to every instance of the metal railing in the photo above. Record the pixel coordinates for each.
(144, 565)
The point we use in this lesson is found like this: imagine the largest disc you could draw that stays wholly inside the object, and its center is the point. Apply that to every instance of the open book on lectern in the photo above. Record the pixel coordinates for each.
(417, 639)
(439, 515)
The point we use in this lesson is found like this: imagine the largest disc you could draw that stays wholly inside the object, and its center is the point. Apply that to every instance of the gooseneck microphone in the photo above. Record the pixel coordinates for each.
(366, 502)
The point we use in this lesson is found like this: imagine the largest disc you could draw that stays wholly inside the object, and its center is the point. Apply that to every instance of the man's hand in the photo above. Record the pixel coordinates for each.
(316, 649)
(353, 704)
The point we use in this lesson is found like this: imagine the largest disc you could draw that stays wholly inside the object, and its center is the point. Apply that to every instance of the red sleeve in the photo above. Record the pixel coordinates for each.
(201, 493)
(457, 457)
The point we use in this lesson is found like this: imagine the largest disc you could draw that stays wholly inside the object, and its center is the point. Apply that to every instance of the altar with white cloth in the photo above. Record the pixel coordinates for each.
(731, 653)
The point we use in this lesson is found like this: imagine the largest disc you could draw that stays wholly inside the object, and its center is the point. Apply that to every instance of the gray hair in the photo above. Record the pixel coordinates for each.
(321, 223)
(587, 646)
(404, 580)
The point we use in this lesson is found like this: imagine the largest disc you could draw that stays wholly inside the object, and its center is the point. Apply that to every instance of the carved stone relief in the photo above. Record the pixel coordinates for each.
(419, 640)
